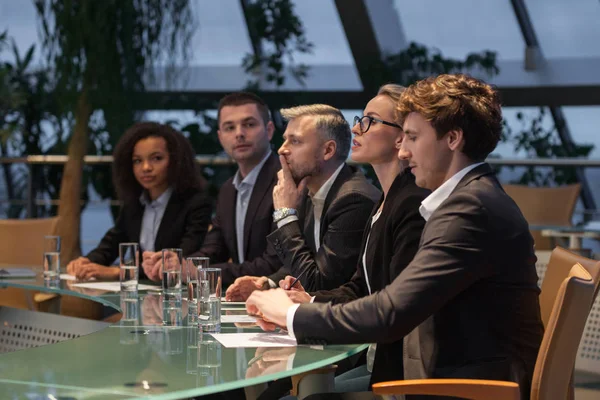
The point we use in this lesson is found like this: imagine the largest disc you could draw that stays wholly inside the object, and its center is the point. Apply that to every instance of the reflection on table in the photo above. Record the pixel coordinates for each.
(153, 349)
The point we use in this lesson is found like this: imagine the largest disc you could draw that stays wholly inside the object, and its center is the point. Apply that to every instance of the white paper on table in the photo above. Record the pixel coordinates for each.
(68, 277)
(237, 318)
(257, 339)
(109, 286)
(232, 303)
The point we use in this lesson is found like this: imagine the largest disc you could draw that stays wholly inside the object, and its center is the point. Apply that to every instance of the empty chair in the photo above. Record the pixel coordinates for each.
(22, 244)
(551, 206)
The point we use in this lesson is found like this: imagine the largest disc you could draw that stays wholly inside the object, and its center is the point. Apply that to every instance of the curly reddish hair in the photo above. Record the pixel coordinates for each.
(457, 102)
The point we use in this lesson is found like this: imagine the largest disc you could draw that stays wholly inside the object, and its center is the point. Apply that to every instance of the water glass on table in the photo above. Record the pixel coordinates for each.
(51, 257)
(192, 266)
(129, 261)
(209, 299)
(171, 273)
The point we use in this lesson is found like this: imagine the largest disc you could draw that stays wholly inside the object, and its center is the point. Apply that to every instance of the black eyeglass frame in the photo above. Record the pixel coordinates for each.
(358, 120)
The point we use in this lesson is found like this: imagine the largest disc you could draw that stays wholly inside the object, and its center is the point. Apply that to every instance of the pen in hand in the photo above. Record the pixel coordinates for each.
(297, 279)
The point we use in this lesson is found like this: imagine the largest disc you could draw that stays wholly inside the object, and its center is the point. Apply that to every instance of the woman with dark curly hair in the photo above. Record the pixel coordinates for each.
(163, 202)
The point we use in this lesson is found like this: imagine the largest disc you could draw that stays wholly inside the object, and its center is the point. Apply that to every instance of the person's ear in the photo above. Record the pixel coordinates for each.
(270, 129)
(455, 139)
(329, 150)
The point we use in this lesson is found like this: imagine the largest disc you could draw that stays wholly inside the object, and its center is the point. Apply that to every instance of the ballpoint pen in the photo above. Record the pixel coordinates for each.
(297, 279)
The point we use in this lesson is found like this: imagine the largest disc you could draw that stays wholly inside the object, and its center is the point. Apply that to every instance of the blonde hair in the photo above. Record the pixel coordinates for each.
(329, 121)
(394, 92)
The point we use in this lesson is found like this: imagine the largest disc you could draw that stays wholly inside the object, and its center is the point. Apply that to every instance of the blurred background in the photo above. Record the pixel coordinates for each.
(86, 70)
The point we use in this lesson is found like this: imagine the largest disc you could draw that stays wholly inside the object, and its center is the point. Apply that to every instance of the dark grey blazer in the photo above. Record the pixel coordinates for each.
(345, 213)
(221, 242)
(467, 305)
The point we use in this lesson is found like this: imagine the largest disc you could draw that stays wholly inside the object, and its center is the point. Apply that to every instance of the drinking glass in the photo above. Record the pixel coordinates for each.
(209, 299)
(192, 266)
(171, 275)
(129, 261)
(51, 257)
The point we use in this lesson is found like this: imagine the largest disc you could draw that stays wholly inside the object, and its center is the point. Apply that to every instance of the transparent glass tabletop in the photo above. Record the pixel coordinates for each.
(139, 356)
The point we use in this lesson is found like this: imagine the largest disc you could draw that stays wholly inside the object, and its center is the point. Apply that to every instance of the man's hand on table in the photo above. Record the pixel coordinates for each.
(242, 287)
(297, 293)
(271, 305)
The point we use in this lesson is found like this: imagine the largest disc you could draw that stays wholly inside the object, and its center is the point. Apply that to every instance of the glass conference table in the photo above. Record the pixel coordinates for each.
(140, 357)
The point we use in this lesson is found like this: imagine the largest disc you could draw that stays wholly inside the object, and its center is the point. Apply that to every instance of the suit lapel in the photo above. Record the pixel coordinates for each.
(477, 172)
(229, 198)
(164, 229)
(345, 173)
(265, 177)
(309, 223)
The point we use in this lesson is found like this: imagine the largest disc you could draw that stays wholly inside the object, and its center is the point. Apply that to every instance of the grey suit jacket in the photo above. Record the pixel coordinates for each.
(345, 213)
(467, 305)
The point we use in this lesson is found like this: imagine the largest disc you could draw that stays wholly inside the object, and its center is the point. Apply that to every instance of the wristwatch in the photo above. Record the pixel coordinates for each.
(283, 212)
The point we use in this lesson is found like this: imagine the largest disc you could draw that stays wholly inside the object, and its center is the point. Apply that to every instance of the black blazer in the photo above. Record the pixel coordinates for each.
(345, 213)
(183, 225)
(467, 305)
(221, 242)
(393, 242)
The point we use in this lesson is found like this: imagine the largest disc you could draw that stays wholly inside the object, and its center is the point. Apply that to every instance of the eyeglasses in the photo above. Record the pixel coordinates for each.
(364, 125)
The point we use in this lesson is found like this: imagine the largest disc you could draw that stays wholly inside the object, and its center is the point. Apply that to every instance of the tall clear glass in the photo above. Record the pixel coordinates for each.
(171, 275)
(192, 266)
(209, 299)
(129, 262)
(51, 257)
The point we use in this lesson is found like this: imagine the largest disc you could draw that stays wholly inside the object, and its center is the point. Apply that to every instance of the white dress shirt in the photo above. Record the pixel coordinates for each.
(153, 213)
(428, 206)
(244, 192)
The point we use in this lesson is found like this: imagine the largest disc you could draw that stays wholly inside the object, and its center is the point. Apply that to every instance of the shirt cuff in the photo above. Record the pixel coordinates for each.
(289, 321)
(312, 299)
(272, 284)
(286, 220)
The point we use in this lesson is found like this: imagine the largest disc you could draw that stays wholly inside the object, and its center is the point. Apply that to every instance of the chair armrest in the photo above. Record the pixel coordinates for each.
(473, 389)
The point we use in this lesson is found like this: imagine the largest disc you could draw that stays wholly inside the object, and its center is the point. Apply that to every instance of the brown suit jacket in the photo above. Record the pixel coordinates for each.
(221, 242)
(467, 305)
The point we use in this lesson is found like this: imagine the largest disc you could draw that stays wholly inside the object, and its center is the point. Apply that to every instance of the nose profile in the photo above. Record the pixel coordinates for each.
(403, 153)
(283, 150)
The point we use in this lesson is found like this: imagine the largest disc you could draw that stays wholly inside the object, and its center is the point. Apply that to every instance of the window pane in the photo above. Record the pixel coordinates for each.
(459, 27)
(566, 28)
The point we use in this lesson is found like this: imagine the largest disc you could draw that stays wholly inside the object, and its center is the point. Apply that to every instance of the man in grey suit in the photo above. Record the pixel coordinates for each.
(318, 236)
(467, 305)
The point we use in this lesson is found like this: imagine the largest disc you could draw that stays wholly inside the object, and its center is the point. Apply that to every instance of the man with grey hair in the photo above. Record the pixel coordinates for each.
(318, 236)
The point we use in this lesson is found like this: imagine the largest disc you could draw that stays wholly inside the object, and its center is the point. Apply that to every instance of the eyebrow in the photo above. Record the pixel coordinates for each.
(291, 135)
(373, 113)
(247, 119)
(410, 131)
(154, 153)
